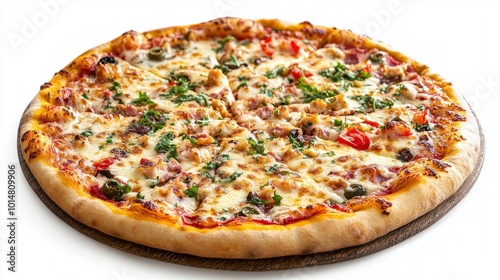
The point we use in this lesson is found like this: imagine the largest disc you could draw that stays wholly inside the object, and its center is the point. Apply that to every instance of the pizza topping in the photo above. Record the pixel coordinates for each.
(165, 145)
(106, 60)
(151, 121)
(104, 163)
(113, 190)
(354, 190)
(354, 138)
(396, 128)
(192, 192)
(266, 46)
(405, 155)
(156, 53)
(268, 129)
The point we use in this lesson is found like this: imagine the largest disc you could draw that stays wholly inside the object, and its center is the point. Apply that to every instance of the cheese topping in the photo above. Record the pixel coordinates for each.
(270, 130)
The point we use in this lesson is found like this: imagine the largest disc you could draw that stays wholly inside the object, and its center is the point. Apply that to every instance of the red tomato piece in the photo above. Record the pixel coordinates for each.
(355, 138)
(295, 46)
(104, 163)
(422, 117)
(297, 72)
(372, 123)
(367, 67)
(264, 45)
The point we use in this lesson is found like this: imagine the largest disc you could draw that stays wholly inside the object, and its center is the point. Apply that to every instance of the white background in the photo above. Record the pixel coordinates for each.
(458, 39)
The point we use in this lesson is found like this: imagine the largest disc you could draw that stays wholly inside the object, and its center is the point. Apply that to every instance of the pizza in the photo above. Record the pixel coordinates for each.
(239, 138)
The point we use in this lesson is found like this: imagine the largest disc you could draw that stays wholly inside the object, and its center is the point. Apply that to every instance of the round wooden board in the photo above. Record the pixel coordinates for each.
(279, 263)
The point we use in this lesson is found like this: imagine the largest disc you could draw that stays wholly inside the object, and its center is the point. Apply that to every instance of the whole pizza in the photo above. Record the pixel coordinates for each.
(239, 138)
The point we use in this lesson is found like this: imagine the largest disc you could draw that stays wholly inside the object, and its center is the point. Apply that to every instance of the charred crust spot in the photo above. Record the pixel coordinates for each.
(34, 154)
(391, 125)
(429, 171)
(64, 73)
(454, 116)
(377, 147)
(46, 85)
(27, 135)
(343, 159)
(150, 205)
(306, 23)
(384, 204)
(361, 202)
(440, 165)
(34, 145)
(119, 152)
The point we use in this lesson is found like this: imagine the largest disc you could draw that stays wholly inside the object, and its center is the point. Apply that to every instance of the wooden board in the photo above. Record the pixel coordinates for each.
(279, 263)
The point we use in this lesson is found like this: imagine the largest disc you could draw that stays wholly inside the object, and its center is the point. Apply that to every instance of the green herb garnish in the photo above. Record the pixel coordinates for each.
(192, 192)
(164, 145)
(143, 99)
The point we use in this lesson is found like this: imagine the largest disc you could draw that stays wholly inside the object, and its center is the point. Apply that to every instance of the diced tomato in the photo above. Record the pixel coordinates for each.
(355, 138)
(295, 46)
(104, 163)
(264, 45)
(368, 67)
(297, 73)
(95, 191)
(372, 123)
(422, 117)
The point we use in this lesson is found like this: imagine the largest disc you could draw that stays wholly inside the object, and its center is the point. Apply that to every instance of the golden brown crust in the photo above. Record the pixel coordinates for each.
(417, 193)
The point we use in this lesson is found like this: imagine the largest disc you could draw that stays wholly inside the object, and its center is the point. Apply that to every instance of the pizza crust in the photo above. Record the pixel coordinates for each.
(418, 195)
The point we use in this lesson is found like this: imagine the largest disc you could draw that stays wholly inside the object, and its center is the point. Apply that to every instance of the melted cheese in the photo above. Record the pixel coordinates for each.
(240, 129)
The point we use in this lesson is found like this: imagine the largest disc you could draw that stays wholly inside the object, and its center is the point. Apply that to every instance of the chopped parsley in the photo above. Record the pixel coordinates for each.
(266, 91)
(203, 122)
(244, 82)
(231, 177)
(370, 103)
(190, 138)
(192, 192)
(230, 64)
(257, 201)
(273, 73)
(109, 139)
(143, 99)
(116, 88)
(181, 85)
(272, 168)
(422, 127)
(328, 154)
(214, 165)
(296, 143)
(139, 196)
(277, 198)
(201, 99)
(341, 72)
(258, 147)
(150, 122)
(223, 42)
(164, 145)
(87, 133)
(399, 89)
(311, 93)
